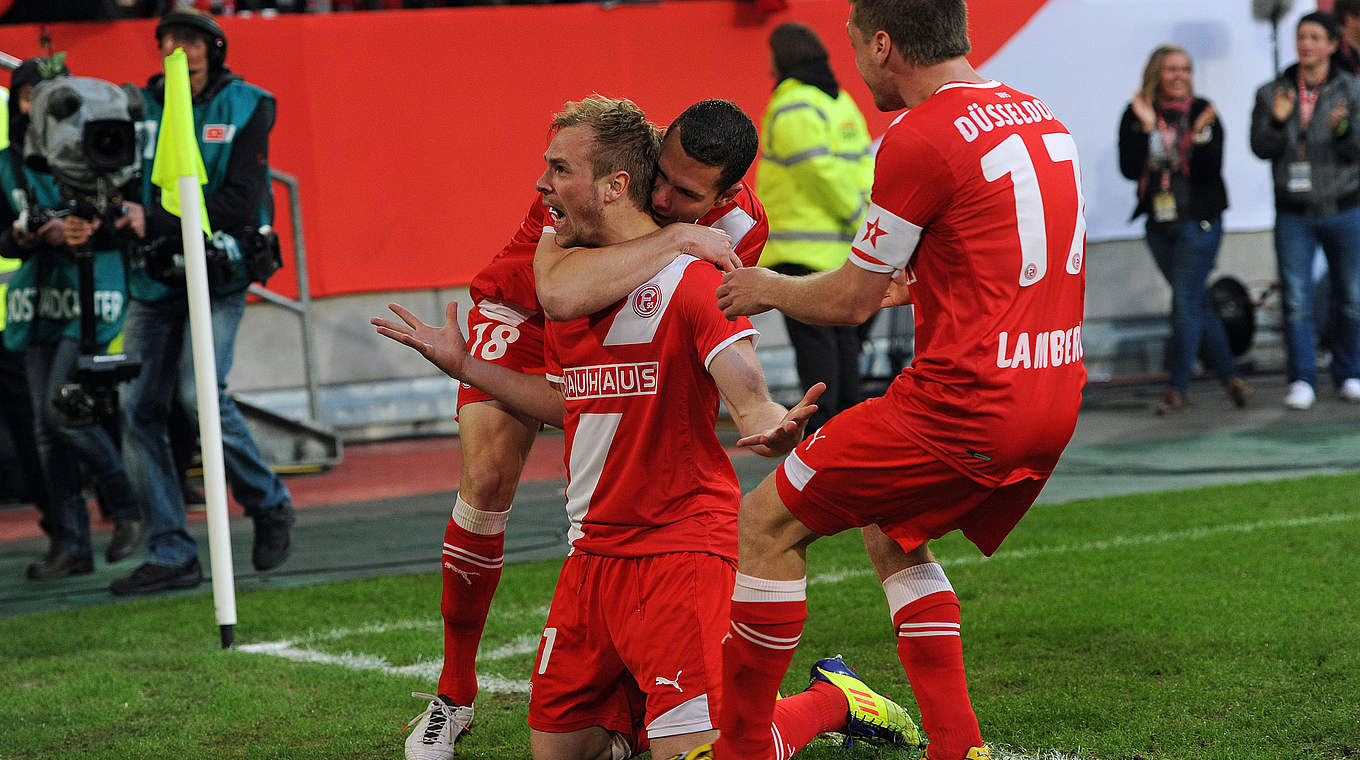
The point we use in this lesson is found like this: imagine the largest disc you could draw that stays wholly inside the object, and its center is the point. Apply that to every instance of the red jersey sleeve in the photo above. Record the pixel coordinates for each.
(509, 276)
(712, 332)
(912, 186)
(744, 219)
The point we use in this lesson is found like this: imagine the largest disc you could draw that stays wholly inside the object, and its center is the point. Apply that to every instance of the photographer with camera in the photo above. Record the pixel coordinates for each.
(232, 120)
(43, 321)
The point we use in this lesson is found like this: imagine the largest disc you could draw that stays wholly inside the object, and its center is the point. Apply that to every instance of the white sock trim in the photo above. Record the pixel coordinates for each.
(474, 520)
(749, 588)
(918, 581)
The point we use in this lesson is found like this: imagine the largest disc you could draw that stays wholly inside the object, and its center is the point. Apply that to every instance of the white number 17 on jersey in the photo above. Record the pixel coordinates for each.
(1013, 157)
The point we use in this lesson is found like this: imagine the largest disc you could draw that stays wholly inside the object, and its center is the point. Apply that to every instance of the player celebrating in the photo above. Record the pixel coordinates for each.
(651, 495)
(977, 198)
(706, 151)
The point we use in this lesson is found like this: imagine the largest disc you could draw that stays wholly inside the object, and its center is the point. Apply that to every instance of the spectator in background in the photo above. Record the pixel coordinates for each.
(1302, 123)
(49, 336)
(814, 175)
(1348, 52)
(1171, 142)
(238, 202)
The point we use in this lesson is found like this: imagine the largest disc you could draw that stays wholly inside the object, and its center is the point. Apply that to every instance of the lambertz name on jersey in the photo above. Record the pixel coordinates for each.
(980, 118)
(1050, 349)
(610, 380)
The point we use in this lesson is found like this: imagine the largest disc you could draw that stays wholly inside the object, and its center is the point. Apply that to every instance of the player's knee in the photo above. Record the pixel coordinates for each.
(489, 484)
(768, 532)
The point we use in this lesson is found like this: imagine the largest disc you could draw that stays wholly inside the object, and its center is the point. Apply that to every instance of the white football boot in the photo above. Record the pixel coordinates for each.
(435, 731)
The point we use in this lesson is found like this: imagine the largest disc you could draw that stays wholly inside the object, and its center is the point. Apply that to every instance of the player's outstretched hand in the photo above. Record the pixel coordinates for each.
(780, 439)
(740, 293)
(443, 346)
(708, 243)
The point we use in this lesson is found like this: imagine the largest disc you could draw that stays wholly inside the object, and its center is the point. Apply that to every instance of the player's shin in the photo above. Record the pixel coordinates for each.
(474, 551)
(767, 621)
(926, 615)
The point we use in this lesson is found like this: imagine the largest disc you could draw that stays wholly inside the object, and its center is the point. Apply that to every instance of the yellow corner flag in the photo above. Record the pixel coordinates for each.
(176, 146)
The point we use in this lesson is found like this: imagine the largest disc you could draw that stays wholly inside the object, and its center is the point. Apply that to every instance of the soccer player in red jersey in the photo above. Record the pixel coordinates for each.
(977, 202)
(706, 151)
(652, 495)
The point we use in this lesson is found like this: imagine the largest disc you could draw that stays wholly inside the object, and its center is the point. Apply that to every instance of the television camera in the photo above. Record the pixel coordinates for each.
(82, 131)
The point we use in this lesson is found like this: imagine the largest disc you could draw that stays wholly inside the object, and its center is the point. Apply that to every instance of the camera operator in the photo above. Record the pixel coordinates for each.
(43, 322)
(232, 121)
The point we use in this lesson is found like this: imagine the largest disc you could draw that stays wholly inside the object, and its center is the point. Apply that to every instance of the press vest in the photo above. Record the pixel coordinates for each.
(216, 123)
(814, 175)
(42, 299)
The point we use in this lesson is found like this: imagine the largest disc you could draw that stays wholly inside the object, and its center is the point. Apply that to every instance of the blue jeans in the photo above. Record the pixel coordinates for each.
(62, 449)
(1185, 253)
(1296, 242)
(159, 333)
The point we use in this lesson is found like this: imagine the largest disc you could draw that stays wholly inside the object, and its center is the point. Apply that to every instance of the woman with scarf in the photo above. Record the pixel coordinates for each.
(1171, 143)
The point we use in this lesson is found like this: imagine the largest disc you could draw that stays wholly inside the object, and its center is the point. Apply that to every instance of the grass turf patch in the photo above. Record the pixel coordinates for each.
(1205, 624)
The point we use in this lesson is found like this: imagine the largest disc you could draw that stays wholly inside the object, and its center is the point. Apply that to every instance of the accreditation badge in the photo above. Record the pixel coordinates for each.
(1300, 177)
(1164, 207)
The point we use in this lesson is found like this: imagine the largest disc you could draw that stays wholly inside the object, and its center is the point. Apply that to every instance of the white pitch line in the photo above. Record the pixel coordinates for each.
(1003, 753)
(425, 669)
(429, 669)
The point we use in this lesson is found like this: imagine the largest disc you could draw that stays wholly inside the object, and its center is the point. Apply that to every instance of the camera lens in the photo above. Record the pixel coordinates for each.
(109, 144)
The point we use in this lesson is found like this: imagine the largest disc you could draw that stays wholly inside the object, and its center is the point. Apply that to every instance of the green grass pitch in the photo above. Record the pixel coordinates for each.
(1214, 624)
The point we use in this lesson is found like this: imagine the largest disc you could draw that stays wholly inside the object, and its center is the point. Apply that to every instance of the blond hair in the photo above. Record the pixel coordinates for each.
(624, 141)
(1152, 72)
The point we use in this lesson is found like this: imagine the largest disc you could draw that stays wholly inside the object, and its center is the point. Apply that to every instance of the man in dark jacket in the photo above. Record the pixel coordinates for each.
(1306, 122)
(232, 121)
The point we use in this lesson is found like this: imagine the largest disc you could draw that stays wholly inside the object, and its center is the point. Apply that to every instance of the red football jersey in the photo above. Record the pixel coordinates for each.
(977, 195)
(509, 276)
(646, 472)
(744, 219)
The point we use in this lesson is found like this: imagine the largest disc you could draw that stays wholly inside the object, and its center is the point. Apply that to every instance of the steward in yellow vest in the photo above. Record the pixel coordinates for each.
(815, 168)
(814, 175)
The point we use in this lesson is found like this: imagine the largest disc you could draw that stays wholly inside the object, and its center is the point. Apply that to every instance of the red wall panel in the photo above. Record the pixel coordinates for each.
(417, 135)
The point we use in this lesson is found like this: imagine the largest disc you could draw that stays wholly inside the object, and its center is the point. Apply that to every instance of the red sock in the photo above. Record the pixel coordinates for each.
(926, 616)
(474, 550)
(799, 718)
(767, 621)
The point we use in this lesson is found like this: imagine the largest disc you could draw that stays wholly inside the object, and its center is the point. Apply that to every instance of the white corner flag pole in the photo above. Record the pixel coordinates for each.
(209, 415)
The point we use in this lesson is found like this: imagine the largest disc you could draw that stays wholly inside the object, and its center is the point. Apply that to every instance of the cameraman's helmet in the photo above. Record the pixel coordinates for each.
(203, 24)
(82, 130)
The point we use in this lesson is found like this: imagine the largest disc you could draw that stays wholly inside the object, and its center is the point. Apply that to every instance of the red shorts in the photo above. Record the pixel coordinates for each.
(506, 334)
(859, 470)
(634, 646)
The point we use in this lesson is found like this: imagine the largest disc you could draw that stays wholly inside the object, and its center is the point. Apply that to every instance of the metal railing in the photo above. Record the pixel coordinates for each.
(302, 306)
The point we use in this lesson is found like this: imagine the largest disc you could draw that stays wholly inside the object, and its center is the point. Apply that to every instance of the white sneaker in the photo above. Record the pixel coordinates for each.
(1350, 390)
(1300, 396)
(437, 729)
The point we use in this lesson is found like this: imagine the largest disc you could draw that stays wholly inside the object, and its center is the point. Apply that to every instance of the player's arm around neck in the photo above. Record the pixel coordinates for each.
(845, 296)
(765, 426)
(577, 282)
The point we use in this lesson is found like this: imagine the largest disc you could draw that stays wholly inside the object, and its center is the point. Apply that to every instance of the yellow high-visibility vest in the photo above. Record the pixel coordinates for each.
(814, 175)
